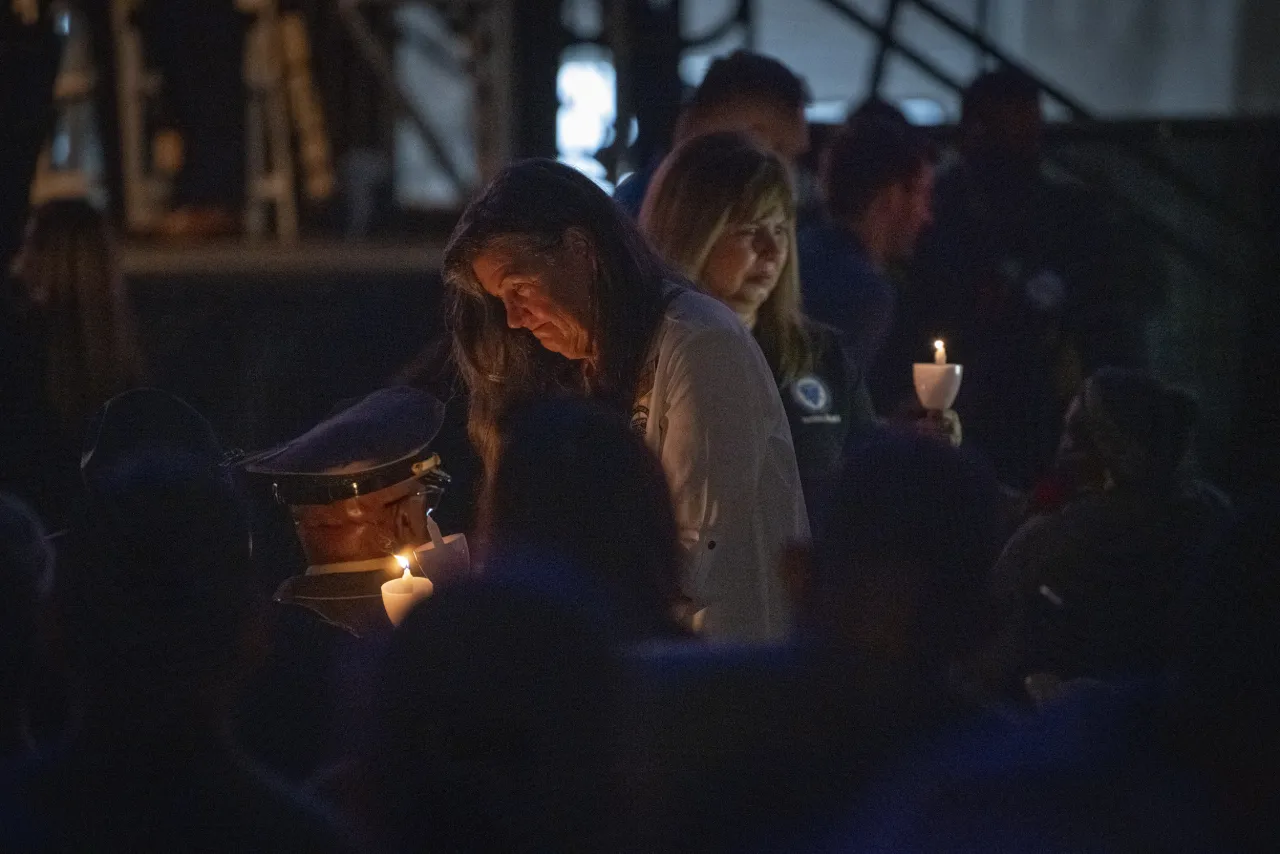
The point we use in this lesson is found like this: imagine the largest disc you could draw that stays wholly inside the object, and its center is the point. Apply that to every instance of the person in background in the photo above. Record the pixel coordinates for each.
(722, 211)
(26, 581)
(556, 496)
(1089, 589)
(895, 594)
(877, 186)
(746, 92)
(198, 46)
(875, 107)
(1019, 275)
(494, 728)
(79, 326)
(30, 52)
(553, 292)
(360, 487)
(891, 595)
(79, 304)
(158, 604)
(1222, 717)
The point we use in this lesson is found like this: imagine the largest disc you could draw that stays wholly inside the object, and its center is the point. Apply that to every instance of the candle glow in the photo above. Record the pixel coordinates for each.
(939, 352)
(399, 595)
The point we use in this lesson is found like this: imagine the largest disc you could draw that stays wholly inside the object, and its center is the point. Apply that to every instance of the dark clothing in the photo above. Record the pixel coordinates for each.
(1089, 591)
(199, 47)
(630, 193)
(293, 713)
(1013, 276)
(351, 601)
(1092, 772)
(29, 57)
(824, 407)
(843, 288)
(733, 748)
(180, 796)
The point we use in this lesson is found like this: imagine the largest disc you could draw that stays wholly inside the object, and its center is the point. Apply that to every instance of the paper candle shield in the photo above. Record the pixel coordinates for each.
(936, 385)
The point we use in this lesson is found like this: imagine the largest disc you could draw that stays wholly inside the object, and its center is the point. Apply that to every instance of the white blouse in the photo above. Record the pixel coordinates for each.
(713, 417)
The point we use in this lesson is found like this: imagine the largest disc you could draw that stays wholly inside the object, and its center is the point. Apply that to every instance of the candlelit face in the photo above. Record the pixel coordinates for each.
(746, 260)
(364, 528)
(546, 292)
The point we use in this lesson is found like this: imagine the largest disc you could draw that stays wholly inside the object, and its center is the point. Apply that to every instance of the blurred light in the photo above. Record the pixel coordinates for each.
(831, 111)
(588, 109)
(923, 111)
(693, 67)
(60, 148)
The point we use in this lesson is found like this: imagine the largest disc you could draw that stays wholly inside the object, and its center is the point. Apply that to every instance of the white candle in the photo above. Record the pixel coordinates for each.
(939, 352)
(399, 595)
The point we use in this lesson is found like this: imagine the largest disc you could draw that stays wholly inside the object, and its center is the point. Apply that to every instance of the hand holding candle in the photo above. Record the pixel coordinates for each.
(400, 594)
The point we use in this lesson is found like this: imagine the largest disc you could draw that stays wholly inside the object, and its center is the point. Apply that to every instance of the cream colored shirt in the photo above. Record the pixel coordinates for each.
(713, 417)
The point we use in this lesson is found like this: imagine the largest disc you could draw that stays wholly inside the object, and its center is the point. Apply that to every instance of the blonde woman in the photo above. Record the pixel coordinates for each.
(721, 210)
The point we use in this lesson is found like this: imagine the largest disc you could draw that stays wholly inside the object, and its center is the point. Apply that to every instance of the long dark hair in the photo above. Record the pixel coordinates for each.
(530, 205)
(76, 298)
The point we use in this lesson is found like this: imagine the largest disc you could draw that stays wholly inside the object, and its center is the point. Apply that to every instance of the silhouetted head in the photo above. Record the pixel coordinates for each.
(902, 554)
(1129, 429)
(753, 94)
(158, 587)
(1000, 120)
(492, 731)
(878, 173)
(876, 107)
(576, 485)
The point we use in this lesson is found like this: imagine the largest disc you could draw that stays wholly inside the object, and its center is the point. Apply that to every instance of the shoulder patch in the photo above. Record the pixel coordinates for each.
(811, 394)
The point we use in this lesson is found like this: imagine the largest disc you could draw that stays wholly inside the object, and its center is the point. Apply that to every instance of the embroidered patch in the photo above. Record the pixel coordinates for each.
(811, 393)
(640, 420)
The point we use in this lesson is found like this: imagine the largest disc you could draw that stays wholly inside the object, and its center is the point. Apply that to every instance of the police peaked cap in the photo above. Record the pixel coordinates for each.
(387, 433)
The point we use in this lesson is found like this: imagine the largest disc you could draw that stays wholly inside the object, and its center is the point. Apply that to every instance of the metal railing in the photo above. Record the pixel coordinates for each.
(1151, 160)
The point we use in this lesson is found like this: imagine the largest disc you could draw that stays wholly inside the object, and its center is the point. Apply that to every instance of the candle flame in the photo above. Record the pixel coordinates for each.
(938, 345)
(404, 564)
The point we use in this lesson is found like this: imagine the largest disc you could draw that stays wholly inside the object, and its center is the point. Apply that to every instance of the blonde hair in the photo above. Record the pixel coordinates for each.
(709, 184)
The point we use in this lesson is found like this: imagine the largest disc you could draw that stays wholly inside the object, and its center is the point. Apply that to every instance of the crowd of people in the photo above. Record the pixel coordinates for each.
(729, 587)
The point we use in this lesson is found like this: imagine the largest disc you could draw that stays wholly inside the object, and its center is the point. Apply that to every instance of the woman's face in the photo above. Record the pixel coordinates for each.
(746, 261)
(547, 293)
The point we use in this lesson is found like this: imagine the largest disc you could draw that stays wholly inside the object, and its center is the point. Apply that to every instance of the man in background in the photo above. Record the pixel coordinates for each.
(1016, 275)
(877, 184)
(198, 45)
(746, 92)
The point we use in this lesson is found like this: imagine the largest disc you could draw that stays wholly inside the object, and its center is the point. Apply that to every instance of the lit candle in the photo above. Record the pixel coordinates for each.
(939, 352)
(399, 595)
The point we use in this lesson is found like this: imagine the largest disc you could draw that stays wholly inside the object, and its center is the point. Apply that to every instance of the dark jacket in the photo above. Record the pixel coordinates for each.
(844, 289)
(824, 407)
(1089, 591)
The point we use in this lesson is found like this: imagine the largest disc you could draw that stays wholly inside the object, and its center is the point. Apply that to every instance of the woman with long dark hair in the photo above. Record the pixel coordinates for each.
(553, 292)
(77, 345)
